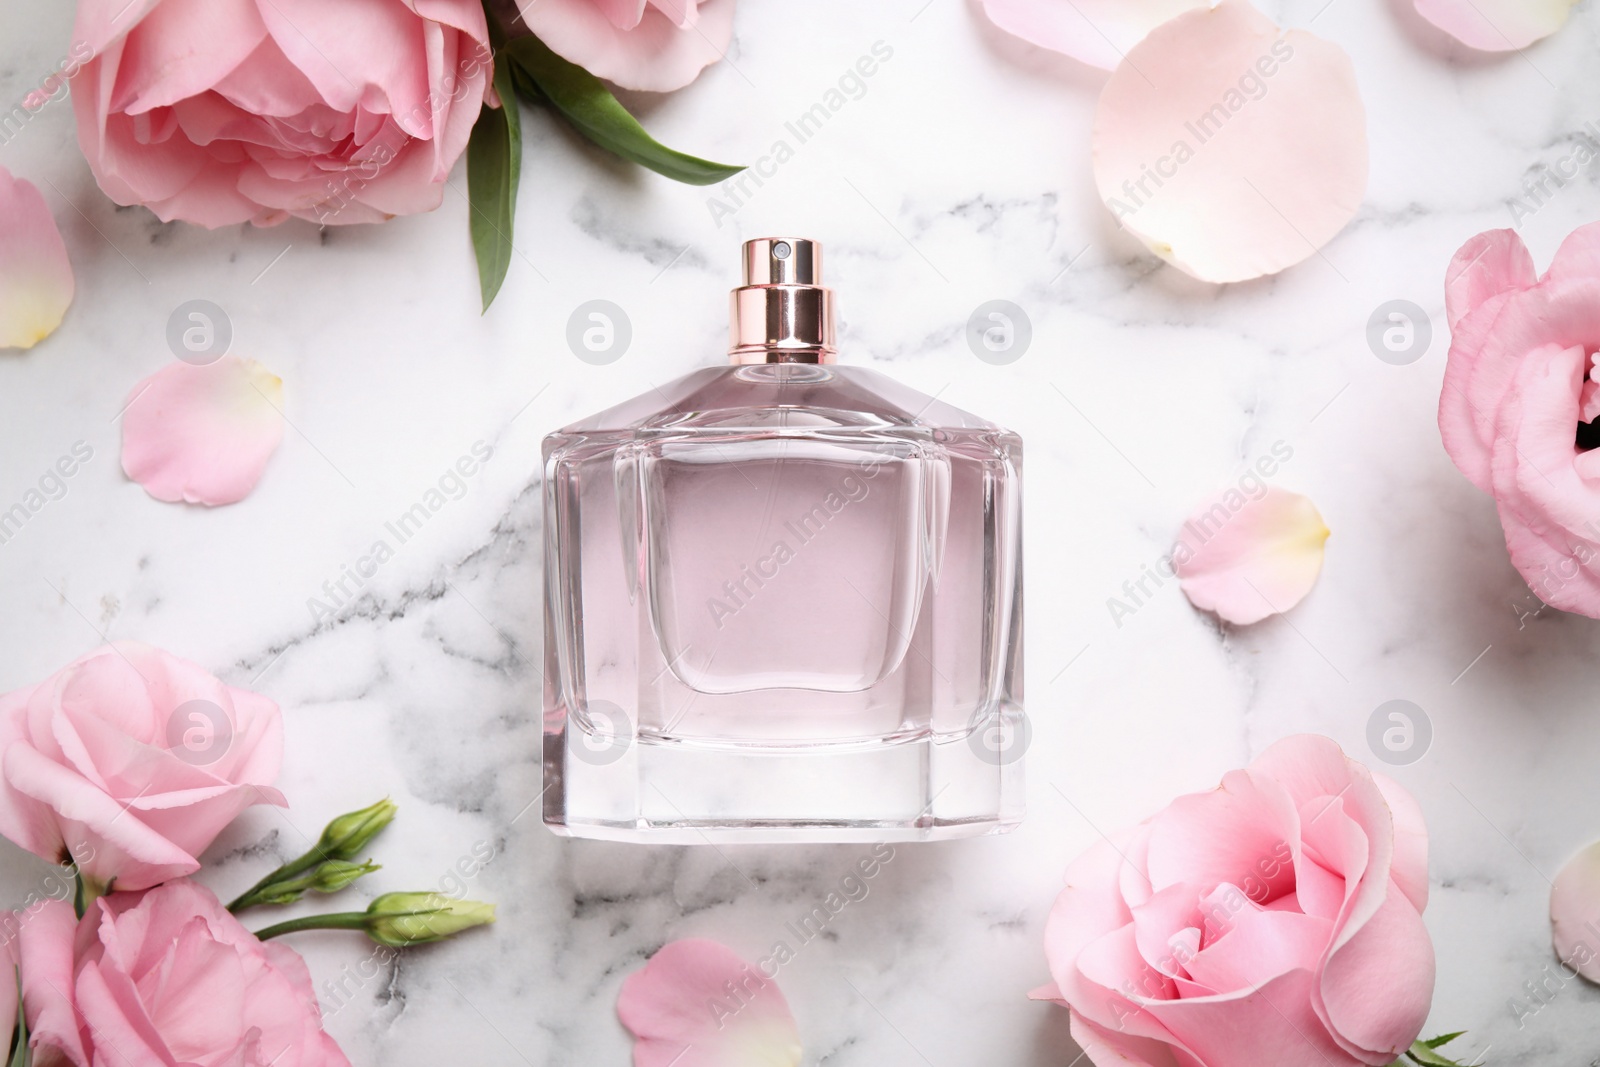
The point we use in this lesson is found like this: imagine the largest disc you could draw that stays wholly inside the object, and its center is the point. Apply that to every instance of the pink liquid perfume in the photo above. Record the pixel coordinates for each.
(783, 598)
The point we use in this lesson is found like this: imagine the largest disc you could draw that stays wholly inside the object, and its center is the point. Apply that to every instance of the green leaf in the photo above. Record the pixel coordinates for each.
(595, 113)
(1423, 1052)
(494, 167)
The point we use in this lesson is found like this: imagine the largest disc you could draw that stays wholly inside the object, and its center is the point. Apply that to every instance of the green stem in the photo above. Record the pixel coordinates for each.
(288, 870)
(339, 920)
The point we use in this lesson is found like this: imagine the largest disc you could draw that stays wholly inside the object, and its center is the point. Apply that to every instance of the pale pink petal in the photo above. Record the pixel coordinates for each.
(1249, 557)
(1231, 148)
(45, 938)
(1578, 258)
(656, 55)
(122, 843)
(1377, 987)
(100, 22)
(1049, 991)
(624, 14)
(1542, 485)
(1096, 32)
(1490, 264)
(1091, 903)
(1161, 926)
(697, 1004)
(1264, 1026)
(36, 284)
(1575, 912)
(202, 434)
(183, 48)
(10, 989)
(1250, 945)
(1410, 870)
(1238, 833)
(358, 53)
(1497, 25)
(1113, 962)
(1107, 1047)
(1471, 395)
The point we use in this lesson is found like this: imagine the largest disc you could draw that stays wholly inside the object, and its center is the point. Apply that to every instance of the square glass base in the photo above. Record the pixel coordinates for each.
(925, 789)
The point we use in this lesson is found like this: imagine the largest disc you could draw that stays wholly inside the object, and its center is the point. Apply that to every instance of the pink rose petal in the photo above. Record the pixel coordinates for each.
(36, 283)
(1497, 25)
(1096, 32)
(1575, 912)
(1231, 148)
(1246, 558)
(202, 434)
(697, 1004)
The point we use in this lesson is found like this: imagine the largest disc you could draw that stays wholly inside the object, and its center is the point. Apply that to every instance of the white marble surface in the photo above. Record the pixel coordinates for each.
(961, 175)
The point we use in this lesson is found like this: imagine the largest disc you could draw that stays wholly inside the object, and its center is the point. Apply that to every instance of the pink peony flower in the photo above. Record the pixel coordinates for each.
(1274, 920)
(130, 761)
(1519, 399)
(231, 111)
(656, 45)
(165, 977)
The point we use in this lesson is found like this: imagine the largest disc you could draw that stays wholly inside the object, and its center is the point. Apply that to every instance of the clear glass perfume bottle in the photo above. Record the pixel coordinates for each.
(783, 598)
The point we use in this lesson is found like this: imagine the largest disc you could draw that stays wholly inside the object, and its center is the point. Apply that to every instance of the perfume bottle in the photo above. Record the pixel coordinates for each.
(783, 598)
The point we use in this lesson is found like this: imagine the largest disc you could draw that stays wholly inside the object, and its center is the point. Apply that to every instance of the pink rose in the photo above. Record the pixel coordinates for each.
(166, 977)
(638, 44)
(130, 761)
(1519, 401)
(1274, 920)
(231, 111)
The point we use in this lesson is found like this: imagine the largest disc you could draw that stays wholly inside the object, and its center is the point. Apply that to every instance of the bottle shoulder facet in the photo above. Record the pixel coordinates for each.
(783, 399)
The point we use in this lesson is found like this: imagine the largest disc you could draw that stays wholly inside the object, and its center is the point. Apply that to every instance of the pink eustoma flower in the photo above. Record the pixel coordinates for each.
(130, 761)
(1274, 920)
(165, 977)
(1518, 408)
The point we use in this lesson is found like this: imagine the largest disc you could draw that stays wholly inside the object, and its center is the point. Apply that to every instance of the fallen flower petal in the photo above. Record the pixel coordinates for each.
(202, 434)
(1096, 32)
(1246, 558)
(1497, 25)
(681, 1011)
(1229, 147)
(36, 284)
(1575, 910)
